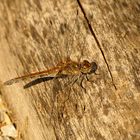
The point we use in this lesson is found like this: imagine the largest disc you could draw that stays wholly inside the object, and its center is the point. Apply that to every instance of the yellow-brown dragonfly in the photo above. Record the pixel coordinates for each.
(66, 68)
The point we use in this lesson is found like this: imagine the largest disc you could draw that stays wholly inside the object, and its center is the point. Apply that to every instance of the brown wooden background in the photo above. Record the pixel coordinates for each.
(36, 35)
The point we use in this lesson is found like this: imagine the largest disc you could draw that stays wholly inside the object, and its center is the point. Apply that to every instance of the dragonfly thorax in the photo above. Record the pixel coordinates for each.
(87, 67)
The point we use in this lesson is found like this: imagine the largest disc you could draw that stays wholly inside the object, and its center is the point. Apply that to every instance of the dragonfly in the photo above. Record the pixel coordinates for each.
(62, 69)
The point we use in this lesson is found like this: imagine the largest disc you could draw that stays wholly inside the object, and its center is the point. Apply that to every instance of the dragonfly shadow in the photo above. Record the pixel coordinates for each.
(37, 81)
(40, 80)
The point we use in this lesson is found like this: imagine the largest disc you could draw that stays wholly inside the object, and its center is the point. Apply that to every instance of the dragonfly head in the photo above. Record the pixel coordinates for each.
(93, 67)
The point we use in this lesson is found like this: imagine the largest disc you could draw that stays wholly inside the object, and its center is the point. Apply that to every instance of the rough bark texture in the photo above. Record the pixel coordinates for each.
(36, 34)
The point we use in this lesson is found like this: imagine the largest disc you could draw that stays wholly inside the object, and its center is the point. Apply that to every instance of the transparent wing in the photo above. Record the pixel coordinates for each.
(47, 73)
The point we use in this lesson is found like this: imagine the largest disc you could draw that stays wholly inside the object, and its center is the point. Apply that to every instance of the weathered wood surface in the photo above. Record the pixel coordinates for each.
(36, 35)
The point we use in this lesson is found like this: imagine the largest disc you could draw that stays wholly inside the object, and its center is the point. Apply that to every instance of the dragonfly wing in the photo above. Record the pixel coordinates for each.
(18, 79)
(10, 82)
(48, 73)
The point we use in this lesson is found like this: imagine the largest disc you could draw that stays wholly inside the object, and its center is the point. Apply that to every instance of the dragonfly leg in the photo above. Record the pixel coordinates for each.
(87, 78)
(81, 82)
(96, 73)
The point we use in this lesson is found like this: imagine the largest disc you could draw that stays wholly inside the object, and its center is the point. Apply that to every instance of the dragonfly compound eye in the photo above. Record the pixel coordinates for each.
(93, 67)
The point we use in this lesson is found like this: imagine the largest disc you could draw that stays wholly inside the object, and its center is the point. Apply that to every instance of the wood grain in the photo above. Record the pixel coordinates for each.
(36, 35)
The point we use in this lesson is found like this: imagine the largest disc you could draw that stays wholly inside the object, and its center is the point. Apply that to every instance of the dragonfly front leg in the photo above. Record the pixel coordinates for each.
(87, 78)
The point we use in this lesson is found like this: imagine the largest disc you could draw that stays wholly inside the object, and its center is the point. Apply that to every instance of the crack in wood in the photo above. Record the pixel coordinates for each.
(98, 44)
